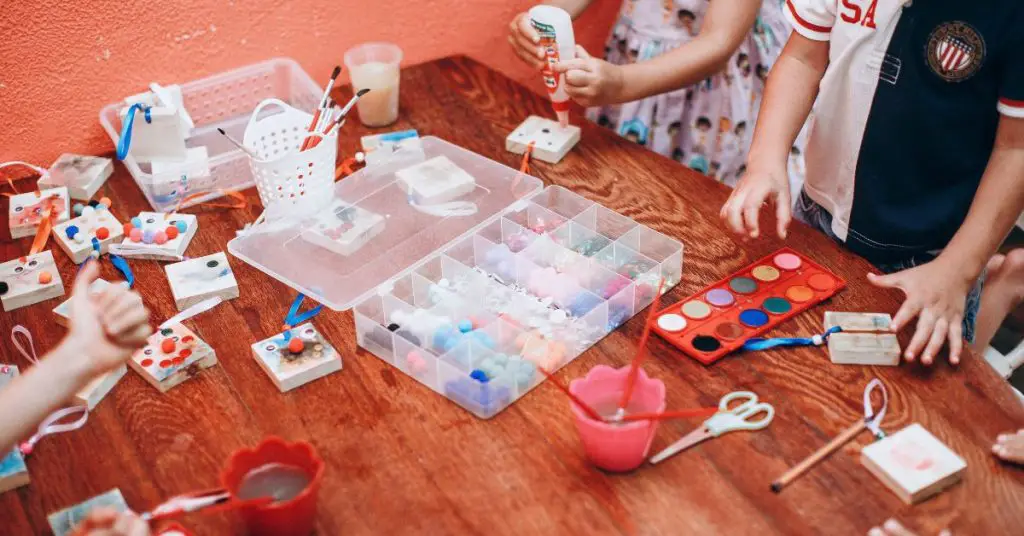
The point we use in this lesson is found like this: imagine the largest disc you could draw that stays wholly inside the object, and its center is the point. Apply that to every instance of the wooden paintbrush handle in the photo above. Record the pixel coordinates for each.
(845, 437)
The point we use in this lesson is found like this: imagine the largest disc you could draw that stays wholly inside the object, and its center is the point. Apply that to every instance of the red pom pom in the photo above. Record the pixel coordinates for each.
(172, 232)
(167, 346)
(296, 346)
(102, 233)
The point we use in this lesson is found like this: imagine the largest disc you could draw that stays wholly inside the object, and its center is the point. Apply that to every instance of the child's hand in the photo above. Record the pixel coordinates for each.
(525, 41)
(107, 327)
(107, 522)
(743, 208)
(895, 528)
(591, 81)
(935, 294)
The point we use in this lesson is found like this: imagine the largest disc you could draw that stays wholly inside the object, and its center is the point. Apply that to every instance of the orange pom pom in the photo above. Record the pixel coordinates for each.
(167, 346)
(102, 233)
(296, 346)
(172, 232)
(45, 278)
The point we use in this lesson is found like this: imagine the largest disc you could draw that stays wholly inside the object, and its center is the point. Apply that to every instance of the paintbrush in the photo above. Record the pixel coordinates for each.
(238, 144)
(591, 412)
(208, 501)
(635, 366)
(344, 111)
(679, 414)
(320, 109)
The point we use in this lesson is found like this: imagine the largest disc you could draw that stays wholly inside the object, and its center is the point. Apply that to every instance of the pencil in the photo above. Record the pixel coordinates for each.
(824, 452)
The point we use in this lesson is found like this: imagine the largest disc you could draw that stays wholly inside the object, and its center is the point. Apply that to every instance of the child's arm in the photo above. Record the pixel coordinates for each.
(936, 291)
(524, 39)
(591, 81)
(104, 330)
(788, 97)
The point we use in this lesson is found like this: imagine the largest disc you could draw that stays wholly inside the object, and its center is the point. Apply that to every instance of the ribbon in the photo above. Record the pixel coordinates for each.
(42, 172)
(240, 200)
(445, 210)
(19, 329)
(122, 266)
(52, 426)
(295, 318)
(124, 143)
(196, 309)
(873, 420)
(765, 344)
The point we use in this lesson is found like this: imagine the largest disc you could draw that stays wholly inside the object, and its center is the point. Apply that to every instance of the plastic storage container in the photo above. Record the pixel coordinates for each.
(224, 100)
(470, 306)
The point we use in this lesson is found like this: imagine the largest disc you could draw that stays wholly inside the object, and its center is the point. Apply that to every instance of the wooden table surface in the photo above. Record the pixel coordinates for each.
(404, 460)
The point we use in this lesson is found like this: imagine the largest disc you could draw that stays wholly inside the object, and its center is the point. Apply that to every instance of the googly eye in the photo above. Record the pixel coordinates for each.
(271, 347)
(18, 269)
(166, 331)
(32, 263)
(148, 351)
(213, 264)
(175, 338)
(309, 332)
(19, 209)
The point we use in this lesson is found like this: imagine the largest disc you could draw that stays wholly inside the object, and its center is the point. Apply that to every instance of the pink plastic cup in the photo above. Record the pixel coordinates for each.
(616, 447)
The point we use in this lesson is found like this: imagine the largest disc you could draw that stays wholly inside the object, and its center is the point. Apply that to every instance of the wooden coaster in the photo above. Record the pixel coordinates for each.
(29, 280)
(171, 356)
(913, 463)
(82, 175)
(155, 240)
(291, 364)
(65, 521)
(551, 142)
(195, 280)
(26, 210)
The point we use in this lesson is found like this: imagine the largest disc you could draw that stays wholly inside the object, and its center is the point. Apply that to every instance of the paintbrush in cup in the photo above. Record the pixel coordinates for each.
(634, 367)
(591, 412)
(321, 107)
(237, 143)
(340, 120)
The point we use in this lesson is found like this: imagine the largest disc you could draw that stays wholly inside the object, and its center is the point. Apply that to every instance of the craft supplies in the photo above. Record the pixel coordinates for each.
(157, 236)
(719, 319)
(749, 414)
(335, 123)
(29, 280)
(375, 66)
(866, 339)
(202, 278)
(303, 357)
(238, 144)
(13, 471)
(154, 124)
(27, 212)
(554, 25)
(290, 473)
(550, 140)
(913, 463)
(321, 109)
(435, 181)
(399, 146)
(81, 175)
(62, 523)
(90, 234)
(181, 174)
(173, 354)
(344, 228)
(872, 421)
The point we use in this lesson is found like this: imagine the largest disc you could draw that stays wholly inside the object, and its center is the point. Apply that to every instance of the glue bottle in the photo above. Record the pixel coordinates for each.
(555, 28)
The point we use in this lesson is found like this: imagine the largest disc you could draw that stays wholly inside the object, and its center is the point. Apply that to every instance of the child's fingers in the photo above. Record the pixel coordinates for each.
(524, 27)
(121, 304)
(783, 211)
(530, 47)
(907, 312)
(574, 64)
(752, 212)
(85, 277)
(936, 341)
(895, 528)
(578, 78)
(733, 213)
(127, 321)
(923, 331)
(956, 339)
(138, 336)
(582, 52)
(524, 54)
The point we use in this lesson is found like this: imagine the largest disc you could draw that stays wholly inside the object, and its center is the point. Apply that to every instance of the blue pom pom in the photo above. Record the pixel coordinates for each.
(465, 326)
(182, 226)
(77, 208)
(137, 222)
(479, 376)
(71, 231)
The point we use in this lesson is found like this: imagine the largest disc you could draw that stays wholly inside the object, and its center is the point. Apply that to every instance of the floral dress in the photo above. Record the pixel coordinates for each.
(707, 127)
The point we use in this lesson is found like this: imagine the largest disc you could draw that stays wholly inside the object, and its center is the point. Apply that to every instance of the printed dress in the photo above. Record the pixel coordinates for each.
(707, 127)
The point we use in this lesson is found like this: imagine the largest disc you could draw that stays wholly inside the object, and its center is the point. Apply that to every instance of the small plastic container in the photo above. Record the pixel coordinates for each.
(295, 516)
(225, 100)
(616, 447)
(375, 66)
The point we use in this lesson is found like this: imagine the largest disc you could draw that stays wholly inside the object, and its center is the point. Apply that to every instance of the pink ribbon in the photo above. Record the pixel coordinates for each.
(31, 345)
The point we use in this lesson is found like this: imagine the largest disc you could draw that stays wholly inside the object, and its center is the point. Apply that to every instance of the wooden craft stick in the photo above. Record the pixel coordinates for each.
(845, 437)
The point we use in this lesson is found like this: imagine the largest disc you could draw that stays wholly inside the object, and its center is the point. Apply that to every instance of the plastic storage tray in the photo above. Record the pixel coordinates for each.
(226, 101)
(471, 305)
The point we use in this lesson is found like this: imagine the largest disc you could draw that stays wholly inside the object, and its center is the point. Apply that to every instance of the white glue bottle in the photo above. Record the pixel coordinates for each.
(556, 38)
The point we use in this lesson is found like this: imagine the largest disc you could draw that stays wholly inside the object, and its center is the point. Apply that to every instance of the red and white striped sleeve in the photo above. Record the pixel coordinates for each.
(1011, 72)
(812, 19)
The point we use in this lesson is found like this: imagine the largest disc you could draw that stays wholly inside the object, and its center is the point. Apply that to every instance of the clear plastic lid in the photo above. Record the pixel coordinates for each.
(377, 227)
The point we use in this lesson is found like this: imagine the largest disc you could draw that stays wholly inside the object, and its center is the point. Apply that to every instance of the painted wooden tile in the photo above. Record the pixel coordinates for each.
(26, 210)
(64, 521)
(171, 356)
(344, 229)
(158, 236)
(195, 280)
(82, 175)
(76, 235)
(29, 280)
(913, 463)
(307, 356)
(550, 141)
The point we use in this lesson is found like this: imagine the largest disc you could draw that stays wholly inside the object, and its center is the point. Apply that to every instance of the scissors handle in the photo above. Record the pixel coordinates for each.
(748, 397)
(739, 419)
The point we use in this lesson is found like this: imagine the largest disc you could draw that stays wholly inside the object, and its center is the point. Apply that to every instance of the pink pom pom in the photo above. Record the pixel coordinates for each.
(25, 448)
(135, 235)
(160, 238)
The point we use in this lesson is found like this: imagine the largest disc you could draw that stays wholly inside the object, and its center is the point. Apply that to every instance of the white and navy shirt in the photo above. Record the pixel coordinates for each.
(907, 112)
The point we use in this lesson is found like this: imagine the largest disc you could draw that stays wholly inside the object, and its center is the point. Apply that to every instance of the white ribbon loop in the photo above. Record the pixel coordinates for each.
(872, 419)
(196, 309)
(52, 426)
(17, 344)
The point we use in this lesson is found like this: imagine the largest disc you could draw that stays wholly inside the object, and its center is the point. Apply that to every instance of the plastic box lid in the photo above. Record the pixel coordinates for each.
(314, 256)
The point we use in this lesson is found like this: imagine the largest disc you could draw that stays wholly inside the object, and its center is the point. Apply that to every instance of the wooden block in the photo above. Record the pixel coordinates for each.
(288, 369)
(859, 322)
(438, 180)
(166, 364)
(163, 136)
(99, 387)
(29, 280)
(195, 280)
(26, 210)
(150, 225)
(913, 463)
(75, 235)
(7, 373)
(392, 147)
(82, 175)
(64, 521)
(13, 472)
(864, 349)
(63, 311)
(551, 142)
(344, 229)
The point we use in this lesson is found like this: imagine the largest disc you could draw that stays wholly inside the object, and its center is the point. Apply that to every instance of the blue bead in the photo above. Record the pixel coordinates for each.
(479, 376)
(482, 338)
(442, 336)
(137, 222)
(71, 231)
(182, 226)
(77, 208)
(465, 326)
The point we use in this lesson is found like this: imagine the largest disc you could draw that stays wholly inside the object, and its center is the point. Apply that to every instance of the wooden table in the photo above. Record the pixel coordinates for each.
(403, 460)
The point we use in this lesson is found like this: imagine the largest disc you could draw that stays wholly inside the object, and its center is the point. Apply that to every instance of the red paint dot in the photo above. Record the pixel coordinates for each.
(167, 346)
(187, 339)
(185, 353)
(165, 363)
(146, 362)
(177, 361)
(102, 233)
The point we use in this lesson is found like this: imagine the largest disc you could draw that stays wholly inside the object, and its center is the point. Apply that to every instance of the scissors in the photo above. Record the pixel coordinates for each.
(726, 420)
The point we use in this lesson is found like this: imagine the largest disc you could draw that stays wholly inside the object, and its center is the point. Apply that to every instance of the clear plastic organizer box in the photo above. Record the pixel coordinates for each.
(224, 100)
(470, 306)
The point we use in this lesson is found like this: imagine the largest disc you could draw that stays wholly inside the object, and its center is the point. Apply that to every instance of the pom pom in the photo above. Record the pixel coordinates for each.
(160, 237)
(102, 233)
(465, 326)
(106, 201)
(167, 346)
(182, 226)
(172, 232)
(135, 235)
(137, 222)
(45, 278)
(88, 211)
(127, 229)
(71, 231)
(296, 346)
(147, 236)
(77, 209)
(25, 448)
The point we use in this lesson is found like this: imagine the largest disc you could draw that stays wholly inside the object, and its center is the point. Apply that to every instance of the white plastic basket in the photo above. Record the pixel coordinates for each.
(290, 183)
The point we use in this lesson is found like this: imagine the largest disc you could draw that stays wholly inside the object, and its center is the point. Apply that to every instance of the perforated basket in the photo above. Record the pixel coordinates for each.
(290, 183)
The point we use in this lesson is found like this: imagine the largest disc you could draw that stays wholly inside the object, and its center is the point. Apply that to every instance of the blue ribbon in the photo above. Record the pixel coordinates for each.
(766, 344)
(295, 318)
(117, 261)
(126, 129)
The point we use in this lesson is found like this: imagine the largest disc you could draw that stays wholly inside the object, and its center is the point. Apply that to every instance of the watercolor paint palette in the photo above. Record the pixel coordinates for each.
(535, 288)
(721, 317)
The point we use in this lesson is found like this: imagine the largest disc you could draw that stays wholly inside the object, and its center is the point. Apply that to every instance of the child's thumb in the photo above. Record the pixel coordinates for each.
(582, 52)
(85, 277)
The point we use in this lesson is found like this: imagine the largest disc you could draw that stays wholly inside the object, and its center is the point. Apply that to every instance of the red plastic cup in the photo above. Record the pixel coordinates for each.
(292, 517)
(616, 447)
